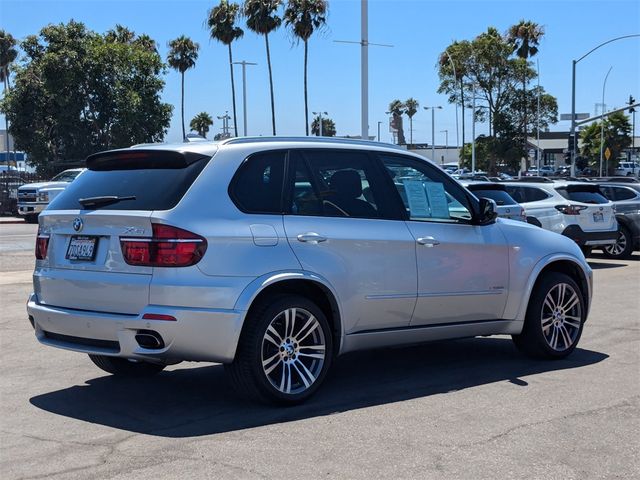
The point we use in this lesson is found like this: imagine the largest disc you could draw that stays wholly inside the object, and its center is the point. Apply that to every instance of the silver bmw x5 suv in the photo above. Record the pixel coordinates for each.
(275, 255)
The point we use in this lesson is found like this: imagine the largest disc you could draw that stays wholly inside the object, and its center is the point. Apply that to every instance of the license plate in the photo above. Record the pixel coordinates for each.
(598, 217)
(82, 247)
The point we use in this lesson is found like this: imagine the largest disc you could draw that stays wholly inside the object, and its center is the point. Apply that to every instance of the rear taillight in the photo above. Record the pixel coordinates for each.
(570, 209)
(169, 247)
(523, 214)
(42, 244)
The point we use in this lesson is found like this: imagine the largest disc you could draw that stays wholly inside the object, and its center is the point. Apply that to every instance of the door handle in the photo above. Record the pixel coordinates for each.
(428, 241)
(311, 237)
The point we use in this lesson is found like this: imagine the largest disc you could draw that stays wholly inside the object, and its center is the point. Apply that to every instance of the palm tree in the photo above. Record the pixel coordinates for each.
(222, 27)
(201, 123)
(120, 34)
(147, 43)
(303, 17)
(524, 38)
(183, 53)
(396, 109)
(262, 19)
(8, 54)
(411, 108)
(328, 127)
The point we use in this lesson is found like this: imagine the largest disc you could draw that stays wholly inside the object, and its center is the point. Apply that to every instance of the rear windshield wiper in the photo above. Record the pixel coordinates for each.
(95, 202)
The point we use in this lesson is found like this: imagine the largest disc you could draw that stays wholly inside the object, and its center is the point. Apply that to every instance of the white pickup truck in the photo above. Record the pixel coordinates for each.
(628, 169)
(34, 197)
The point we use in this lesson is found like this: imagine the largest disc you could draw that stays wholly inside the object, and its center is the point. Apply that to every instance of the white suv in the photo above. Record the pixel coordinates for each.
(274, 255)
(577, 210)
(628, 169)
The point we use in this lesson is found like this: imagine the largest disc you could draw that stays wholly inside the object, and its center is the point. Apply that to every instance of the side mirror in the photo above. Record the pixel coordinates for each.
(488, 211)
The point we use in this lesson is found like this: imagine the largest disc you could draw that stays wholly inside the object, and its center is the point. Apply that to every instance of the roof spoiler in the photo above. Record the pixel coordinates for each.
(128, 159)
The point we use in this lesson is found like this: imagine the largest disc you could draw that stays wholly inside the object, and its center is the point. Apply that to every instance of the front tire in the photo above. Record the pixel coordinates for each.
(126, 368)
(555, 318)
(623, 248)
(284, 352)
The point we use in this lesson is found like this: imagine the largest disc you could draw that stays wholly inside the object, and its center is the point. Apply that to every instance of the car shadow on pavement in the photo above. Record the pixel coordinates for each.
(603, 266)
(190, 402)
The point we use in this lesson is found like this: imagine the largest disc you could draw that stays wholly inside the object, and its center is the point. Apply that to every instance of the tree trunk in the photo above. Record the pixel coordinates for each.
(273, 108)
(233, 94)
(411, 131)
(524, 117)
(306, 102)
(6, 121)
(462, 103)
(184, 135)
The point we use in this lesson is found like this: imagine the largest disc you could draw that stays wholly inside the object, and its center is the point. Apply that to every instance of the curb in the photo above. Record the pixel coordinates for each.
(13, 222)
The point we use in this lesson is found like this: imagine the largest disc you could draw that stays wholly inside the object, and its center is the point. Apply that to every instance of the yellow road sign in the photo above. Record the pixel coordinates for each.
(607, 153)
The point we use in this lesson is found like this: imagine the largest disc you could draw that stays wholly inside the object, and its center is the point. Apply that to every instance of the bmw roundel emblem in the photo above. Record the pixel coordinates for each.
(77, 224)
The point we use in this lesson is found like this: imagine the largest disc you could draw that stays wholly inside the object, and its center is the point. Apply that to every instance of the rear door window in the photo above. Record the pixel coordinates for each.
(499, 196)
(523, 194)
(151, 181)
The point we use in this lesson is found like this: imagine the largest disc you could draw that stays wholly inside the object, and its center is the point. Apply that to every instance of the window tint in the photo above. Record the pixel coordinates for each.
(526, 194)
(336, 184)
(257, 187)
(499, 196)
(620, 193)
(587, 195)
(153, 188)
(427, 194)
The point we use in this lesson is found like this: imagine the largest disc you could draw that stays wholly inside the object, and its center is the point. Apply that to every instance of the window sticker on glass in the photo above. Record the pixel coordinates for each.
(437, 199)
(417, 198)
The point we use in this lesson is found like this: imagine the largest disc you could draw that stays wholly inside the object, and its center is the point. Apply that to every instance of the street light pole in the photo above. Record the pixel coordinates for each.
(572, 134)
(604, 85)
(446, 143)
(379, 123)
(473, 131)
(538, 119)
(433, 131)
(244, 92)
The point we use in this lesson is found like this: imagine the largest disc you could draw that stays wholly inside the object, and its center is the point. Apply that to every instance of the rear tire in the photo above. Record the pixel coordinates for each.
(623, 248)
(554, 320)
(284, 352)
(586, 251)
(126, 368)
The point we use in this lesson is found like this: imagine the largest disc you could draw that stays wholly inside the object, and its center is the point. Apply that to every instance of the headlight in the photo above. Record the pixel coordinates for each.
(43, 196)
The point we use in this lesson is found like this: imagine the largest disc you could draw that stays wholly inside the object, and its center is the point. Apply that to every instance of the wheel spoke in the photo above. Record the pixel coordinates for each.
(566, 338)
(269, 338)
(572, 321)
(554, 339)
(285, 383)
(312, 355)
(573, 301)
(546, 324)
(311, 329)
(271, 361)
(292, 318)
(307, 377)
(561, 294)
(275, 333)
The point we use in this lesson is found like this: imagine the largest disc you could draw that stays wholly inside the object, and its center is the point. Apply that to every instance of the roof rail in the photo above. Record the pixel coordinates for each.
(345, 141)
(530, 180)
(622, 180)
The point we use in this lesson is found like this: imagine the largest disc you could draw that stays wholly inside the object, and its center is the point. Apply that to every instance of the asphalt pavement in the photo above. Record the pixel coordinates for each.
(468, 409)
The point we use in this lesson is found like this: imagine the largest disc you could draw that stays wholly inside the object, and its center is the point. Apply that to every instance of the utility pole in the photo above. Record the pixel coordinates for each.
(446, 142)
(244, 92)
(473, 132)
(364, 67)
(225, 124)
(433, 131)
(604, 85)
(380, 123)
(632, 111)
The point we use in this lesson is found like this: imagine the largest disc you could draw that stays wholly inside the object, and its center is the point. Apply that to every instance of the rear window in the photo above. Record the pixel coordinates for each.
(499, 196)
(582, 195)
(154, 184)
(66, 176)
(526, 194)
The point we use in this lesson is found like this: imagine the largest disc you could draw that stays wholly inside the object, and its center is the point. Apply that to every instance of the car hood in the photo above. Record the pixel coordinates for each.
(31, 186)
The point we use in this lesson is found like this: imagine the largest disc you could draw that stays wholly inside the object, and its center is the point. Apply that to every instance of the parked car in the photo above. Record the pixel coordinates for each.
(33, 198)
(577, 210)
(562, 171)
(507, 207)
(628, 169)
(626, 198)
(274, 255)
(545, 171)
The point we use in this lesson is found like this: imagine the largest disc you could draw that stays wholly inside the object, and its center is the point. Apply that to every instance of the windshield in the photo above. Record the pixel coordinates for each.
(66, 176)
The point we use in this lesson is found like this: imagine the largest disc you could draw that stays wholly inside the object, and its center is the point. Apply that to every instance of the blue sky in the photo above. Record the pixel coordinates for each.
(418, 29)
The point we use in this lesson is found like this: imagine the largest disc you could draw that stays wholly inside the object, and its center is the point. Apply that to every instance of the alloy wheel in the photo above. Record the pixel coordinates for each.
(293, 350)
(618, 247)
(561, 317)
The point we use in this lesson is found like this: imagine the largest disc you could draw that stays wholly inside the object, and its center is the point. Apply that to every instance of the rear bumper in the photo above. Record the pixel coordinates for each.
(31, 208)
(196, 335)
(587, 239)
